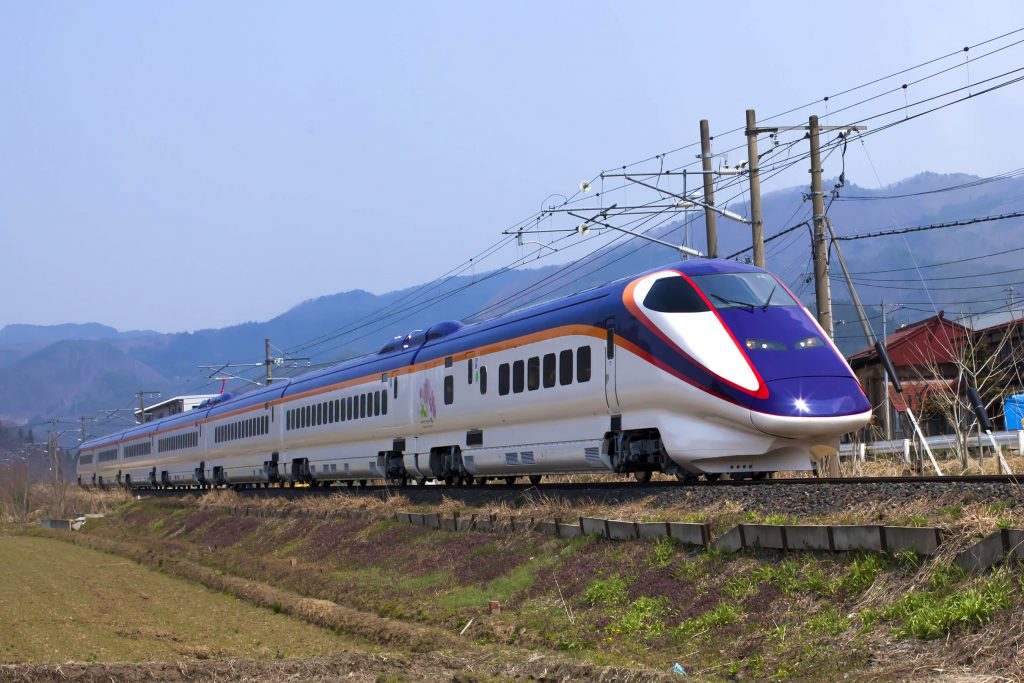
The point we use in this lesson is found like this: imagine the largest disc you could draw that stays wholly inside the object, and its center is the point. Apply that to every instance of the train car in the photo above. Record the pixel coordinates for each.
(707, 367)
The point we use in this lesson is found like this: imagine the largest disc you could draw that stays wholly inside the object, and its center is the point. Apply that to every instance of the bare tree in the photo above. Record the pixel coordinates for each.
(989, 360)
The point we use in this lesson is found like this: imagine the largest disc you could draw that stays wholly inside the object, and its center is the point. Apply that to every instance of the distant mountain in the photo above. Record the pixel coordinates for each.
(71, 378)
(18, 336)
(51, 370)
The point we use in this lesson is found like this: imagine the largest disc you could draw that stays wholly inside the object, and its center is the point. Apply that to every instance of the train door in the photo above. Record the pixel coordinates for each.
(610, 384)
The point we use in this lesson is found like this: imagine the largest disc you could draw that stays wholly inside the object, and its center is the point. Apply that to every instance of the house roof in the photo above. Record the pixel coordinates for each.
(932, 340)
(992, 319)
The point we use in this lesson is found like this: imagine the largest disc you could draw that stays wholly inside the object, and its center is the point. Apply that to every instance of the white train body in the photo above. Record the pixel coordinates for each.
(642, 375)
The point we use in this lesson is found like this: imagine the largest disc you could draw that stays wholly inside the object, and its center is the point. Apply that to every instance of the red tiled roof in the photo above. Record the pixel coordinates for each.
(932, 340)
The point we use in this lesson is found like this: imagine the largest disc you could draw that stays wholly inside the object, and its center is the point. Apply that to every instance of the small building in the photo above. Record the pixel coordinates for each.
(172, 406)
(924, 355)
(927, 356)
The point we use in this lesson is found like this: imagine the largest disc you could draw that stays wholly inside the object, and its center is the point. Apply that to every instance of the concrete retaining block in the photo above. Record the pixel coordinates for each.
(432, 520)
(593, 526)
(652, 529)
(809, 537)
(858, 537)
(449, 523)
(922, 540)
(547, 528)
(466, 523)
(484, 524)
(730, 541)
(769, 536)
(569, 530)
(983, 554)
(621, 530)
(690, 533)
(1014, 544)
(1003, 544)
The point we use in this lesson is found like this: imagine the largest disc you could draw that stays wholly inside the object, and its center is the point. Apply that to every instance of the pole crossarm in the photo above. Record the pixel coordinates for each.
(682, 249)
(721, 212)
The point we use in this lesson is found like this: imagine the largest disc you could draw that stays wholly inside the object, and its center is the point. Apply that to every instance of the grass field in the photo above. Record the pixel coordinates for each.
(60, 602)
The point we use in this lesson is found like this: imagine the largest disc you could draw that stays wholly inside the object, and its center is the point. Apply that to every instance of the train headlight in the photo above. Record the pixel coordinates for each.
(809, 343)
(764, 345)
(801, 405)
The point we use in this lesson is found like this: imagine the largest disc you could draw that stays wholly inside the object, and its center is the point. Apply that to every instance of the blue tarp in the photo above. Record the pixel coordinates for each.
(1013, 410)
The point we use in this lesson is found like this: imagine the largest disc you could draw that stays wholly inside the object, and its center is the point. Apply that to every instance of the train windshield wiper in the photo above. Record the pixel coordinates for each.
(769, 299)
(744, 304)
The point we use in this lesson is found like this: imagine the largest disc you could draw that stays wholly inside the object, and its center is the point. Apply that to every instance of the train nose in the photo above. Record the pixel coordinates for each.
(811, 406)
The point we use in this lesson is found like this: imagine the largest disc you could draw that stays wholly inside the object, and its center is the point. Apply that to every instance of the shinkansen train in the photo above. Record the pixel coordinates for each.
(709, 367)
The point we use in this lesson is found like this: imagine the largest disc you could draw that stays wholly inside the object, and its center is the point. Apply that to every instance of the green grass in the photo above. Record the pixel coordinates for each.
(641, 618)
(664, 549)
(827, 623)
(723, 615)
(500, 589)
(606, 592)
(89, 606)
(862, 573)
(929, 614)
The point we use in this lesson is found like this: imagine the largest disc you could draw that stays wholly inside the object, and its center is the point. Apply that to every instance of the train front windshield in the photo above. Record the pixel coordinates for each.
(744, 290)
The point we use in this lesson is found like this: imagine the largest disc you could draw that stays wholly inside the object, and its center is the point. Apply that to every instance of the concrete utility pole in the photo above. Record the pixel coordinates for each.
(756, 223)
(142, 403)
(819, 245)
(885, 376)
(709, 189)
(822, 292)
(269, 362)
(83, 418)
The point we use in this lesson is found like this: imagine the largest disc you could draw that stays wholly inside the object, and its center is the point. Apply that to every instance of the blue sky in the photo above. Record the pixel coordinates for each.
(178, 165)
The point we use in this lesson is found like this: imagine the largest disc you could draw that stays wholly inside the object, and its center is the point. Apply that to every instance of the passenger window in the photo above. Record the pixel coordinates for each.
(338, 414)
(483, 380)
(583, 364)
(518, 372)
(376, 403)
(469, 370)
(384, 402)
(362, 405)
(350, 401)
(533, 373)
(503, 379)
(449, 390)
(565, 367)
(549, 370)
(396, 387)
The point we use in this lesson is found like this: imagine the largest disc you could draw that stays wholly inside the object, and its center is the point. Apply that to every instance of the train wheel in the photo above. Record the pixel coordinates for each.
(758, 476)
(713, 476)
(642, 477)
(481, 481)
(467, 480)
(510, 480)
(535, 479)
(422, 481)
(449, 480)
(686, 477)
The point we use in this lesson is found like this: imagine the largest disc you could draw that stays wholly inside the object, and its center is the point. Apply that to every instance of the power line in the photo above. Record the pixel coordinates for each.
(934, 226)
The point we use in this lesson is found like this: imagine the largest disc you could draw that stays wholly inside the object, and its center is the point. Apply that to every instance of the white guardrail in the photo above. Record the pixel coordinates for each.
(904, 447)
